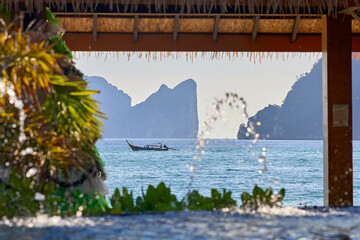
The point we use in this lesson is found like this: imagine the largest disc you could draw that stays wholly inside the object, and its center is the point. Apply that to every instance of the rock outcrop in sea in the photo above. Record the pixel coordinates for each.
(300, 115)
(168, 113)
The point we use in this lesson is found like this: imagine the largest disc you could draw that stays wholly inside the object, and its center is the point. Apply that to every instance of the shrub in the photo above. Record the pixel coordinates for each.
(216, 201)
(65, 203)
(122, 203)
(262, 198)
(158, 199)
(18, 197)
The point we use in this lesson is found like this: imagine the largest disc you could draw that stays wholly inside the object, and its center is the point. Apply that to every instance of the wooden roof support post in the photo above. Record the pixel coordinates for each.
(337, 111)
(176, 24)
(216, 26)
(95, 28)
(295, 29)
(255, 28)
(136, 24)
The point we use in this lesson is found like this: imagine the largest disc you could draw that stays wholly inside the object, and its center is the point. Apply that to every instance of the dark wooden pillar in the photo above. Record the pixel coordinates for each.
(337, 111)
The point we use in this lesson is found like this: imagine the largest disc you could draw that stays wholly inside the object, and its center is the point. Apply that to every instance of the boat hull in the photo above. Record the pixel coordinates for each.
(137, 148)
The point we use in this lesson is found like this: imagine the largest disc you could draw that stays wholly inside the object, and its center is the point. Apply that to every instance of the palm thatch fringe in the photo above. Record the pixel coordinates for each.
(255, 57)
(356, 56)
(353, 11)
(193, 6)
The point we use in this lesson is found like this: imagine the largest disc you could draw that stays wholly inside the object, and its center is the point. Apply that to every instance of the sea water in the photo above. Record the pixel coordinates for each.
(233, 164)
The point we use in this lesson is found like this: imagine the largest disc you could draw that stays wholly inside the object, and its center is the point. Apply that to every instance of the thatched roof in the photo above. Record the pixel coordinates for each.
(194, 25)
(189, 6)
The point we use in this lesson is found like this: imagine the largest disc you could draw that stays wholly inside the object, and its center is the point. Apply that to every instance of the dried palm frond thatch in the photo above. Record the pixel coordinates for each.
(188, 6)
(255, 57)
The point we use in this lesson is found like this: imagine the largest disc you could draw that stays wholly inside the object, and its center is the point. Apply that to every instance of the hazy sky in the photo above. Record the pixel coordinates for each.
(260, 84)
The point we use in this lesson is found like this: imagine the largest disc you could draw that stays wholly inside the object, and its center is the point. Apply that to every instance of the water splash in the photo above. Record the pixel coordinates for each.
(9, 90)
(234, 102)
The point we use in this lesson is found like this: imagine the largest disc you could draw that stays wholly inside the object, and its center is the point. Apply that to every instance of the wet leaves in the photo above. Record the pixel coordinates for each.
(262, 198)
(122, 203)
(160, 199)
(215, 202)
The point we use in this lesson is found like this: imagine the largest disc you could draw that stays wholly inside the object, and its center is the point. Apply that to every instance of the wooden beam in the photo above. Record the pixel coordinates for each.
(197, 42)
(255, 28)
(191, 42)
(176, 24)
(167, 14)
(337, 111)
(216, 26)
(95, 28)
(295, 29)
(136, 25)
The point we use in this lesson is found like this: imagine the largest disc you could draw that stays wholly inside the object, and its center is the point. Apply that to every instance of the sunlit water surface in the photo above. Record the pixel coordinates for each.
(231, 164)
(296, 166)
(285, 223)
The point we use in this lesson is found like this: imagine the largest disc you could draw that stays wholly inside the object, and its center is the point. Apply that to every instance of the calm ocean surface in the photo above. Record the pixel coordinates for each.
(297, 165)
(294, 165)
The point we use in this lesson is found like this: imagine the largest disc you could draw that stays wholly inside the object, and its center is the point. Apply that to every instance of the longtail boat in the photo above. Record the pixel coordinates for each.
(148, 147)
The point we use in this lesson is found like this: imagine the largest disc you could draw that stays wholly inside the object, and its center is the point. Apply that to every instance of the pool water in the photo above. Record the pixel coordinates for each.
(282, 223)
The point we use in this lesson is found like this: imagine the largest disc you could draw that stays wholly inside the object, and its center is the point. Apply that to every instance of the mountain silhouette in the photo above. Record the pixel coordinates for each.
(300, 115)
(167, 113)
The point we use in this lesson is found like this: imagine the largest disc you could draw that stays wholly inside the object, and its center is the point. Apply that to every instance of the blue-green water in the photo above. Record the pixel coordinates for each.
(296, 166)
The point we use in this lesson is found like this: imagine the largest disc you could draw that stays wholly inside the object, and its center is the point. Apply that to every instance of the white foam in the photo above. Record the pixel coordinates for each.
(43, 220)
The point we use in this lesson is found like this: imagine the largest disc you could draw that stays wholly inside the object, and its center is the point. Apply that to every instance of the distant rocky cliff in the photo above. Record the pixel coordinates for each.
(168, 113)
(300, 115)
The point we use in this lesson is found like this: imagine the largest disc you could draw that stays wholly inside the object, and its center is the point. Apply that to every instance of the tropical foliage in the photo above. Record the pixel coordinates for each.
(60, 46)
(158, 199)
(122, 203)
(49, 120)
(262, 198)
(19, 198)
(155, 199)
(67, 203)
(216, 201)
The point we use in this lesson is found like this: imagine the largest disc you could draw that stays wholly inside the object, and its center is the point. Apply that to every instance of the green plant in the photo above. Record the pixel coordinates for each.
(122, 203)
(66, 203)
(55, 123)
(222, 201)
(158, 199)
(216, 201)
(59, 44)
(262, 198)
(195, 201)
(48, 126)
(18, 197)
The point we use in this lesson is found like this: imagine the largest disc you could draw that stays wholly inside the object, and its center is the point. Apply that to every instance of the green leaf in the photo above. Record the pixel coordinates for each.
(262, 198)
(83, 93)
